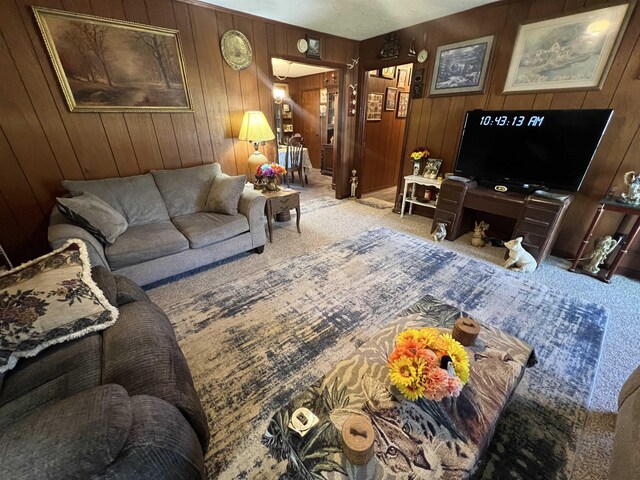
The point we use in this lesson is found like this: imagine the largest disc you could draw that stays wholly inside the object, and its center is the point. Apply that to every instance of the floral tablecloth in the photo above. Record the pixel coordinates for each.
(306, 161)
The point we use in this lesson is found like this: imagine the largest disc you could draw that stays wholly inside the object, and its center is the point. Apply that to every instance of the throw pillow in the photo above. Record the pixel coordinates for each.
(225, 194)
(94, 215)
(48, 301)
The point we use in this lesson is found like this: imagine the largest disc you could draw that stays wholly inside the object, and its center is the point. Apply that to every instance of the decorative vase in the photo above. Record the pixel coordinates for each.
(271, 184)
(416, 167)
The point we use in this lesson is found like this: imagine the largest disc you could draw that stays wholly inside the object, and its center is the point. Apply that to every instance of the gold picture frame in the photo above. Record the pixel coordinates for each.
(108, 65)
(581, 61)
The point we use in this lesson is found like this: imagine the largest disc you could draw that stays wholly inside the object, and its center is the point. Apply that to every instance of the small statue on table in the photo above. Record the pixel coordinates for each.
(440, 232)
(604, 247)
(632, 184)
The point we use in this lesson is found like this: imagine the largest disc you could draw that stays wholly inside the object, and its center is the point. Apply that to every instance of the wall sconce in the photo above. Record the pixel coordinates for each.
(278, 95)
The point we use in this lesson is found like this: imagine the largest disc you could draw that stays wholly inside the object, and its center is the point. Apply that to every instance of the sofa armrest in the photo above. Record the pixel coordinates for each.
(61, 230)
(252, 206)
(630, 387)
(74, 438)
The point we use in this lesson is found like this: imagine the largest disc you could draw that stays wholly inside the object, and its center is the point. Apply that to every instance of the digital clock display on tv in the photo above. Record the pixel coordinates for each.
(530, 148)
(511, 120)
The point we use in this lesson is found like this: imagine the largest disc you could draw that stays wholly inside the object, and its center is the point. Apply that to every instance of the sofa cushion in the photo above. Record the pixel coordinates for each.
(55, 374)
(225, 194)
(141, 243)
(204, 228)
(74, 438)
(185, 190)
(50, 300)
(94, 215)
(137, 198)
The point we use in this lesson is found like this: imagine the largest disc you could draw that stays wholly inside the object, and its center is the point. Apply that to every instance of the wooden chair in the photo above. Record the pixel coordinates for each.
(293, 159)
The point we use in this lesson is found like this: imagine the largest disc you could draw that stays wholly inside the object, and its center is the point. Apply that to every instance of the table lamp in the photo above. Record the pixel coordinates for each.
(255, 129)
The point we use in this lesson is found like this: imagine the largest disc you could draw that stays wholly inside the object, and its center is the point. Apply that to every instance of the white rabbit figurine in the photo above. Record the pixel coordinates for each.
(518, 256)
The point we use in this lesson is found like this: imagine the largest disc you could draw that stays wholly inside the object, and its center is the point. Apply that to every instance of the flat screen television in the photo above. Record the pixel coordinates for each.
(527, 150)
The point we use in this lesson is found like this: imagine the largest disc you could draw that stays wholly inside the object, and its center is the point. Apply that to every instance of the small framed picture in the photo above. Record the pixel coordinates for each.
(287, 127)
(374, 106)
(323, 95)
(323, 110)
(374, 73)
(286, 107)
(388, 72)
(432, 168)
(287, 114)
(390, 102)
(314, 50)
(403, 105)
(403, 78)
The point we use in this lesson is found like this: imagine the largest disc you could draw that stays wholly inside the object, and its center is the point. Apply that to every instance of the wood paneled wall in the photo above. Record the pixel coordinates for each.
(383, 141)
(437, 122)
(42, 143)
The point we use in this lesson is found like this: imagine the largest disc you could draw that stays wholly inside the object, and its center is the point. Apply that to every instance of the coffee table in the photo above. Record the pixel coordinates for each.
(423, 439)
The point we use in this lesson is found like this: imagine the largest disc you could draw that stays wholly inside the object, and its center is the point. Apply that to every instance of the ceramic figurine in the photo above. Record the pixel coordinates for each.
(354, 183)
(479, 237)
(632, 182)
(440, 232)
(600, 253)
(518, 256)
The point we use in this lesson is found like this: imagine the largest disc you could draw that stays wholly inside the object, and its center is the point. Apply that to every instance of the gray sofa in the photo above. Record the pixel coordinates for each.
(625, 461)
(169, 232)
(119, 403)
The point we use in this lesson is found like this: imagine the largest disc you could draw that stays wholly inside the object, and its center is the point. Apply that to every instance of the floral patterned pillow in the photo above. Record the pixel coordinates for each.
(50, 300)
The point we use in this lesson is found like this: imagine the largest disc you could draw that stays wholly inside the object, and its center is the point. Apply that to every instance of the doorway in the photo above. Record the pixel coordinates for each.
(386, 105)
(306, 98)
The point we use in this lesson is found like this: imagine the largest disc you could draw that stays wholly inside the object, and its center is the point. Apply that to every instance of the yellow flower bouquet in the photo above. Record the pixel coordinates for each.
(419, 153)
(427, 363)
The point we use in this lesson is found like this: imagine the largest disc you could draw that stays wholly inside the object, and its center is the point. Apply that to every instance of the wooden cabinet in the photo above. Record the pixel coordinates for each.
(538, 217)
(326, 161)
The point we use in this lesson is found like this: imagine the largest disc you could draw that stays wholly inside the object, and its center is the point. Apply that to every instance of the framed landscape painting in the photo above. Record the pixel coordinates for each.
(374, 106)
(106, 65)
(461, 67)
(572, 52)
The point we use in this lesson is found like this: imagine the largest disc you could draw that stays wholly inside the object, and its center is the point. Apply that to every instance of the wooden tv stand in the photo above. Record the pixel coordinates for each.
(538, 216)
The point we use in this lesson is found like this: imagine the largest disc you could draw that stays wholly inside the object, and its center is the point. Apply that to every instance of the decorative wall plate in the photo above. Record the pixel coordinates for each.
(302, 45)
(422, 56)
(236, 49)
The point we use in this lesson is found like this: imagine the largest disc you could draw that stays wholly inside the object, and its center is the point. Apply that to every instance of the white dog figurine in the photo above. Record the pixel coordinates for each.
(440, 232)
(518, 256)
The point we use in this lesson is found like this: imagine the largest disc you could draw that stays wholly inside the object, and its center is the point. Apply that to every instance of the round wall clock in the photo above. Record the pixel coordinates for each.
(302, 45)
(422, 56)
(236, 49)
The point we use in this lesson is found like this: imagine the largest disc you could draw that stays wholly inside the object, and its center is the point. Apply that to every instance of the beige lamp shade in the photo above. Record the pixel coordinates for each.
(255, 128)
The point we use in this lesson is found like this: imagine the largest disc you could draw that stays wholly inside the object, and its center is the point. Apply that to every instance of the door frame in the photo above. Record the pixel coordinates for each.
(341, 165)
(363, 85)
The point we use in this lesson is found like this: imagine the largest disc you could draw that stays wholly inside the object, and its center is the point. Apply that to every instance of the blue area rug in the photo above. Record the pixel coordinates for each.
(254, 343)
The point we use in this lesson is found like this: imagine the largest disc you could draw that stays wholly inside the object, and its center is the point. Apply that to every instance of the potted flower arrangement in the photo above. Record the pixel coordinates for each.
(417, 155)
(427, 363)
(270, 171)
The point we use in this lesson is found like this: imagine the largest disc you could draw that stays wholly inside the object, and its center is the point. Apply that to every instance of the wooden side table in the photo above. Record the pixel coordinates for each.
(278, 202)
(613, 206)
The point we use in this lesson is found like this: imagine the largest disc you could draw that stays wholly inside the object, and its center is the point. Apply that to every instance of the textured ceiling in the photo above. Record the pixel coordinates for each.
(355, 19)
